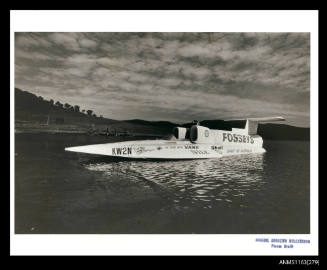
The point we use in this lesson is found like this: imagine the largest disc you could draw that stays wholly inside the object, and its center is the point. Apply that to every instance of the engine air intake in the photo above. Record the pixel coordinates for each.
(181, 133)
(200, 134)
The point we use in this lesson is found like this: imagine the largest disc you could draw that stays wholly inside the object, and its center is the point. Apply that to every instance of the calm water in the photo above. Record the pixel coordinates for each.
(62, 192)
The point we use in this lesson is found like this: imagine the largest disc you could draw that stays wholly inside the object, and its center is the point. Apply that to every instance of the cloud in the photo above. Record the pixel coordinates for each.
(88, 43)
(67, 41)
(170, 76)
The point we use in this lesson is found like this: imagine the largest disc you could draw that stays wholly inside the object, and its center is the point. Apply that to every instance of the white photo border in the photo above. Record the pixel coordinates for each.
(168, 21)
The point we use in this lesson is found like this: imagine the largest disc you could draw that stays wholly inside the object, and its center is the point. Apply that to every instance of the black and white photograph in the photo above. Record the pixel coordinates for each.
(162, 132)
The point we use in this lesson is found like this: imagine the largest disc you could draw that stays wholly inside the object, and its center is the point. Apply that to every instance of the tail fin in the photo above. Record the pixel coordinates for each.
(251, 126)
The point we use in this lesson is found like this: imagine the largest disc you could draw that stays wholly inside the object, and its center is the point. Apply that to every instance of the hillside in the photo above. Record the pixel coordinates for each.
(35, 114)
(158, 124)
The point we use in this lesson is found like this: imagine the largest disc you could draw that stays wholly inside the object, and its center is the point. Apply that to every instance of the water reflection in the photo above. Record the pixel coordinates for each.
(200, 183)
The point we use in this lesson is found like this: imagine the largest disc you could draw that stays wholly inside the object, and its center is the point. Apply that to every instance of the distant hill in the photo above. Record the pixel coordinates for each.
(30, 108)
(283, 132)
(159, 124)
(213, 124)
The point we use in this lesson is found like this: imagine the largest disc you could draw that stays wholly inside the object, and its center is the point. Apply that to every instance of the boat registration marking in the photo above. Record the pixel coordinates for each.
(121, 151)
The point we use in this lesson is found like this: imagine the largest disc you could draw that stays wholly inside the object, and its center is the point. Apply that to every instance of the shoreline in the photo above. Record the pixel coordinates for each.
(96, 130)
(81, 132)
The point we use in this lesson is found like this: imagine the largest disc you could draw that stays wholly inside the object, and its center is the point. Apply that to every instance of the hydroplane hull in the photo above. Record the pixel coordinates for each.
(164, 149)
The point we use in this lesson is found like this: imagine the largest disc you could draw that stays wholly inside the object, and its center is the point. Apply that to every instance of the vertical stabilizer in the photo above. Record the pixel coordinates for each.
(251, 126)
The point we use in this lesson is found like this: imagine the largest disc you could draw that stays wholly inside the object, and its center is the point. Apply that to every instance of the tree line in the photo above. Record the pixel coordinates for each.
(70, 108)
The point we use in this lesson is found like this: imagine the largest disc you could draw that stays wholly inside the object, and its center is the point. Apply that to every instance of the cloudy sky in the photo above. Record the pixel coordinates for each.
(170, 76)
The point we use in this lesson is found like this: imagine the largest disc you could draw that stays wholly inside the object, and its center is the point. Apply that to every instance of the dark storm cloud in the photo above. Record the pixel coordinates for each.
(170, 76)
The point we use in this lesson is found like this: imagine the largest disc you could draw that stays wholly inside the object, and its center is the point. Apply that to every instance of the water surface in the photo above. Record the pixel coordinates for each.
(63, 192)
